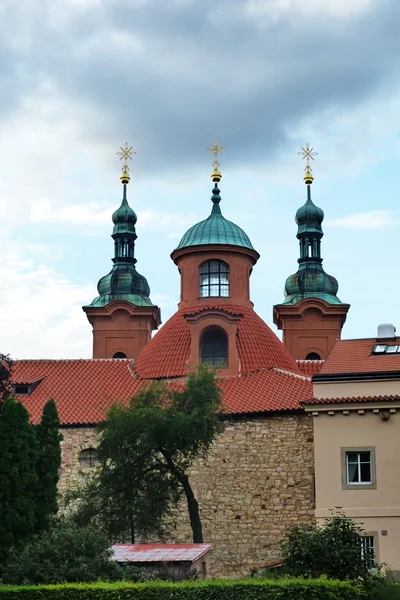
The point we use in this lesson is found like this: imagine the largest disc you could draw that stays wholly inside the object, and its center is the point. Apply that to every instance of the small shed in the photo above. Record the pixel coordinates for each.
(180, 560)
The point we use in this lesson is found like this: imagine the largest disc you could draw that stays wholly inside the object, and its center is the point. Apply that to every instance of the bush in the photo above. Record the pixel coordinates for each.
(66, 553)
(333, 550)
(384, 588)
(285, 589)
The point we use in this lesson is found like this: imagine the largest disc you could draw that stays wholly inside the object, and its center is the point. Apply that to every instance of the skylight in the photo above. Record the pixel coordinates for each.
(386, 349)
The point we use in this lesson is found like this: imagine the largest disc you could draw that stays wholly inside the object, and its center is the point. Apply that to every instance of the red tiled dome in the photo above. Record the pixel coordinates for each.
(166, 355)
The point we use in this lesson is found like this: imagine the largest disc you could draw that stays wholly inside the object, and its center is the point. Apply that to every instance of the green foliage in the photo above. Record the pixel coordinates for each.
(66, 553)
(19, 452)
(284, 589)
(6, 365)
(144, 451)
(333, 550)
(48, 465)
(383, 588)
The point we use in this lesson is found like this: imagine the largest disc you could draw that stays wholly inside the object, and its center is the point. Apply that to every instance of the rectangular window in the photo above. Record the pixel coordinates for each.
(368, 546)
(358, 468)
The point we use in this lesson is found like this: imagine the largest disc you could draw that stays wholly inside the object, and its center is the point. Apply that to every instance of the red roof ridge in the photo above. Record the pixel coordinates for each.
(228, 308)
(62, 360)
(380, 398)
(304, 360)
(290, 373)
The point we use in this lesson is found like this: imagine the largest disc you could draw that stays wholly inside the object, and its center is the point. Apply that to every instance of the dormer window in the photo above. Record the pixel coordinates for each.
(26, 389)
(214, 279)
(22, 390)
(214, 347)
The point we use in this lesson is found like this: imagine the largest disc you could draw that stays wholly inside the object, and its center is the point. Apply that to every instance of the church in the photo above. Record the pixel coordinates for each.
(260, 475)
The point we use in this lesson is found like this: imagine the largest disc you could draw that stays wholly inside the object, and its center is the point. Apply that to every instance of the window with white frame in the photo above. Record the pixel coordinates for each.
(214, 279)
(358, 468)
(368, 546)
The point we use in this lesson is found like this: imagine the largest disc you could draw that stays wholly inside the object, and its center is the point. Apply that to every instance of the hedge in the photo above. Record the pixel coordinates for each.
(284, 589)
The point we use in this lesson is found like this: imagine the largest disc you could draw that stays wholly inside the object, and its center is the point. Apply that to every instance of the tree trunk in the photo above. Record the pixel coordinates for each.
(193, 505)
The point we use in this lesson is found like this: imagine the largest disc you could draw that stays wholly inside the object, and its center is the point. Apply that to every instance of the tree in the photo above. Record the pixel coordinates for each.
(66, 553)
(145, 451)
(6, 365)
(127, 495)
(19, 452)
(333, 550)
(48, 465)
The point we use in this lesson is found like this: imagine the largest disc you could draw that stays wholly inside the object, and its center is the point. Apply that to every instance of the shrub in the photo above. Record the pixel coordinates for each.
(66, 553)
(333, 550)
(285, 589)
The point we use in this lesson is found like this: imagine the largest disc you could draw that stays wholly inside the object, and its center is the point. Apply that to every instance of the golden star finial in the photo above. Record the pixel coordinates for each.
(125, 153)
(307, 152)
(216, 150)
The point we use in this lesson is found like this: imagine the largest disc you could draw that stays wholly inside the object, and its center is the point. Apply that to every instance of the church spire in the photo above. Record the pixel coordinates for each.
(310, 281)
(124, 282)
(311, 316)
(122, 315)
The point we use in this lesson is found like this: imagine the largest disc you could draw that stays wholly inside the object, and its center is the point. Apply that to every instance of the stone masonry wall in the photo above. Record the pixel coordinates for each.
(257, 480)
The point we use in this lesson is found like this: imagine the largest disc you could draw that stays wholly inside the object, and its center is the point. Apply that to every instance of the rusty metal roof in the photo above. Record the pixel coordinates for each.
(159, 552)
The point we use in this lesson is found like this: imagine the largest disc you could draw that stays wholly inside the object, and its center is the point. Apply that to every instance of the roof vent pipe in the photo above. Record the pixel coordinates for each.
(386, 331)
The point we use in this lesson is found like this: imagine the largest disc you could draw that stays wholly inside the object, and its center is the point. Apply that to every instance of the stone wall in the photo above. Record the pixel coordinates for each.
(75, 439)
(257, 480)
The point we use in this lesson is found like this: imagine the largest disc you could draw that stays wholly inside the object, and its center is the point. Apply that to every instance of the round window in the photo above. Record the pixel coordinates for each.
(88, 458)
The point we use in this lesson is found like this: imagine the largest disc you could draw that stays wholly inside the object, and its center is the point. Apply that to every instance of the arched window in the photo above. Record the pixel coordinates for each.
(214, 347)
(313, 356)
(88, 458)
(214, 279)
(120, 355)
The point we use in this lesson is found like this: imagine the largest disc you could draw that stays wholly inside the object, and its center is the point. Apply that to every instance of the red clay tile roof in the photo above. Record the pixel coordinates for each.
(159, 552)
(258, 347)
(354, 356)
(83, 389)
(353, 399)
(310, 367)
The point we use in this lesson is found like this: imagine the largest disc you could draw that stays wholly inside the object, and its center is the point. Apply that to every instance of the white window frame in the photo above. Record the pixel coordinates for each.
(358, 485)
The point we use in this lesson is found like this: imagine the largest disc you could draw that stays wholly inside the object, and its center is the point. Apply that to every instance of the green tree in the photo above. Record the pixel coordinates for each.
(6, 365)
(19, 453)
(333, 550)
(48, 465)
(65, 553)
(145, 452)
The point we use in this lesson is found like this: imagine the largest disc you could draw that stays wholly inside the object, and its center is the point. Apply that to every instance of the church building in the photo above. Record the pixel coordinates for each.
(259, 477)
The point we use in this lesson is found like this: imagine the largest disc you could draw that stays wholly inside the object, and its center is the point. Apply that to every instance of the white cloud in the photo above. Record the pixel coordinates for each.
(337, 9)
(41, 314)
(375, 219)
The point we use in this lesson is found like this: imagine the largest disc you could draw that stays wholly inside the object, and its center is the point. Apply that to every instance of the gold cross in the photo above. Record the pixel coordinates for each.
(215, 149)
(125, 153)
(307, 152)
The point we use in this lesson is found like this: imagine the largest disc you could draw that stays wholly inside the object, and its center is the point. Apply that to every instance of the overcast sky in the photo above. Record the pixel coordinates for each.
(81, 77)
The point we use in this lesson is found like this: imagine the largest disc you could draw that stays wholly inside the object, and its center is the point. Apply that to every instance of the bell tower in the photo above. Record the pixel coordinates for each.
(311, 316)
(122, 316)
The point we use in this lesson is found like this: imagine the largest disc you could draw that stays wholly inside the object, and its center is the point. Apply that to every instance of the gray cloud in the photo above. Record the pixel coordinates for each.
(173, 75)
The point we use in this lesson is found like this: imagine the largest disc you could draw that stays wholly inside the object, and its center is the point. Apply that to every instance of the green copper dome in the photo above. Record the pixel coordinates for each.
(123, 282)
(215, 229)
(310, 281)
(124, 218)
(309, 217)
